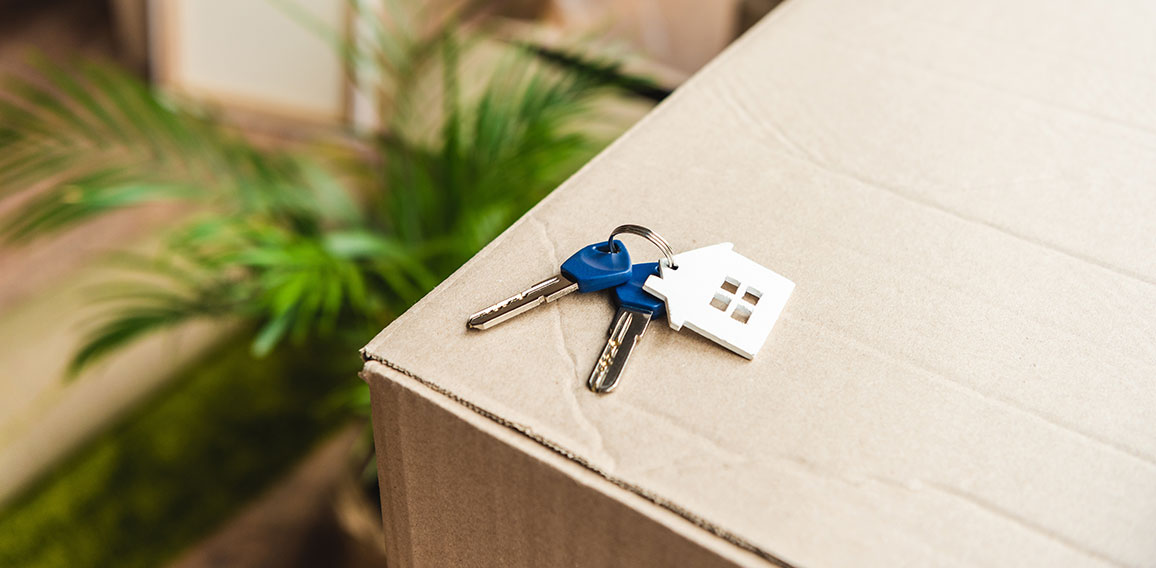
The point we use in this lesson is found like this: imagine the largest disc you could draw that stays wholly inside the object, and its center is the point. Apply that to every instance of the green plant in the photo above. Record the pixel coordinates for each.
(303, 247)
(158, 479)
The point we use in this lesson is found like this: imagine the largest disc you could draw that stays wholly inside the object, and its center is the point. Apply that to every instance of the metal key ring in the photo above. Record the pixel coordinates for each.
(648, 235)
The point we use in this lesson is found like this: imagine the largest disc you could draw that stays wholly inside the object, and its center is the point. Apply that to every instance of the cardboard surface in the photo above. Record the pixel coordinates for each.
(460, 489)
(965, 197)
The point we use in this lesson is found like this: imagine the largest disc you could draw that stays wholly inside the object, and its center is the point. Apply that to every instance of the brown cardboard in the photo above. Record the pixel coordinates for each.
(965, 197)
(464, 490)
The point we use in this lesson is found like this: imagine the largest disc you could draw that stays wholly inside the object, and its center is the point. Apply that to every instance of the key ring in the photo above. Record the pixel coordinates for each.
(648, 235)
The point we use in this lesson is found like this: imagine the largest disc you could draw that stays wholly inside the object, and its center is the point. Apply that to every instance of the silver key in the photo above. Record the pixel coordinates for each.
(594, 267)
(636, 308)
(545, 291)
(628, 328)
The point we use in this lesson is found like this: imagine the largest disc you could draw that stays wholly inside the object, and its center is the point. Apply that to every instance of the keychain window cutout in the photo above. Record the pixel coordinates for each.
(751, 296)
(739, 311)
(720, 301)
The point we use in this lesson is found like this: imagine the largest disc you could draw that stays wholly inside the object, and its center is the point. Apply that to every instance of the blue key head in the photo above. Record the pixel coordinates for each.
(598, 267)
(631, 295)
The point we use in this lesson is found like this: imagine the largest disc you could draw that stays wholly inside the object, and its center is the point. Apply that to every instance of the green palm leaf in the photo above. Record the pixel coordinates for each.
(277, 239)
(100, 140)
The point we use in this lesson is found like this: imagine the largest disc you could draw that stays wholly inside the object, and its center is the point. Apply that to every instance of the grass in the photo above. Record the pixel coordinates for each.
(165, 474)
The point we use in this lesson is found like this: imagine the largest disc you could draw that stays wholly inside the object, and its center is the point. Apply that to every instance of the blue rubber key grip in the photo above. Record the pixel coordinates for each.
(631, 295)
(595, 268)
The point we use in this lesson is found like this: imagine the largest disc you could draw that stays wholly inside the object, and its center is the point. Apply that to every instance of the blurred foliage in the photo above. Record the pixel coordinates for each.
(303, 243)
(167, 473)
(319, 244)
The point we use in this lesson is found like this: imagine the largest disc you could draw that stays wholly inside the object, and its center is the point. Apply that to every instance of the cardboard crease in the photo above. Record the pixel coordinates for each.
(616, 481)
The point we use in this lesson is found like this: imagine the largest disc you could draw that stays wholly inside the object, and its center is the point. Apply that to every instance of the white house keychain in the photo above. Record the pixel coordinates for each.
(721, 295)
(713, 290)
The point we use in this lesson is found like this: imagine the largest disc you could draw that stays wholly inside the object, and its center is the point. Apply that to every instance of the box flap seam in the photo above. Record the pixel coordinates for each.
(554, 447)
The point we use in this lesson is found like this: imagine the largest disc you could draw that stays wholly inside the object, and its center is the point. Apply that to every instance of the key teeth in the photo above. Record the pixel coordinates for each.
(598, 378)
(628, 327)
(480, 319)
(546, 291)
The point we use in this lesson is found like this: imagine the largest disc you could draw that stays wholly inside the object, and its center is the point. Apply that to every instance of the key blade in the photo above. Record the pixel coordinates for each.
(545, 291)
(629, 326)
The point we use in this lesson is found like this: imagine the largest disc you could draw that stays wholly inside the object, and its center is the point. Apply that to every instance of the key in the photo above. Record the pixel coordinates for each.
(636, 309)
(593, 268)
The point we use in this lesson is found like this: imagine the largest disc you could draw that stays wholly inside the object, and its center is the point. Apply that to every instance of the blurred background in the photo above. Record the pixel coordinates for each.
(208, 206)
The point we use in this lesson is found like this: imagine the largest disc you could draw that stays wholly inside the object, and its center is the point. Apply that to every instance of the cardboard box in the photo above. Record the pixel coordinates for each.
(965, 197)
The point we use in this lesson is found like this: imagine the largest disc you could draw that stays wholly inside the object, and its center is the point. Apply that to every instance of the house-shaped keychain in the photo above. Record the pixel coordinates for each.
(722, 295)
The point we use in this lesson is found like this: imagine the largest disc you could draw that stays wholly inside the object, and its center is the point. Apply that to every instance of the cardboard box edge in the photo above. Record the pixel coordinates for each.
(681, 522)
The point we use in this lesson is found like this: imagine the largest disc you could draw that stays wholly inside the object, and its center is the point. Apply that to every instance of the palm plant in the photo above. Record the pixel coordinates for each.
(298, 245)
